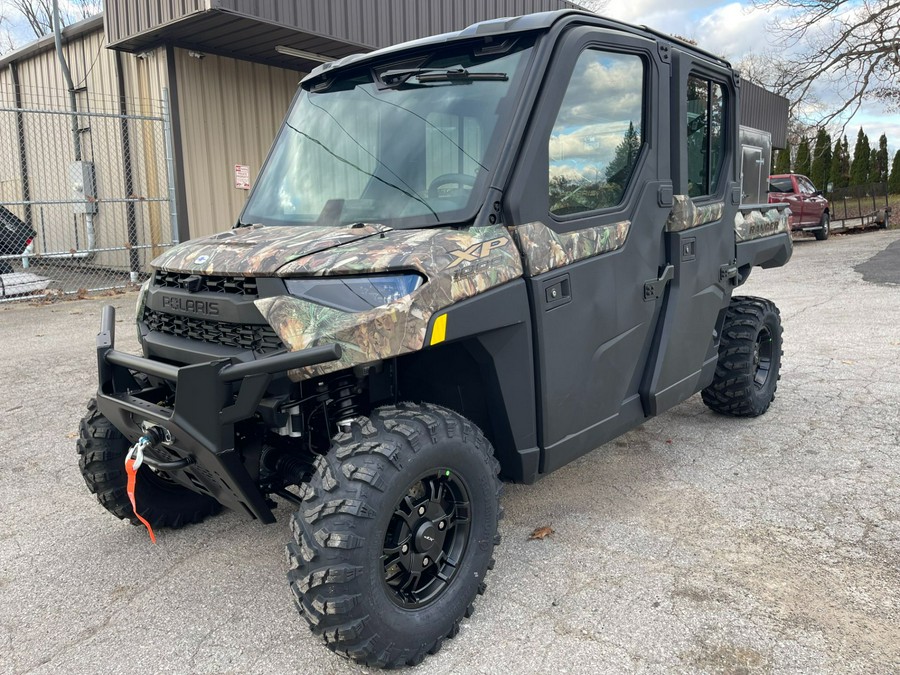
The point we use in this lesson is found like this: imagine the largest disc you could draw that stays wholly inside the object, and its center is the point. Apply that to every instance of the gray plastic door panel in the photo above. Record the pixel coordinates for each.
(589, 207)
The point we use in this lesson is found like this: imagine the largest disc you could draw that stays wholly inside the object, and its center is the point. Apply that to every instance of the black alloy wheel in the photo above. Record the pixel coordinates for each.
(395, 534)
(426, 539)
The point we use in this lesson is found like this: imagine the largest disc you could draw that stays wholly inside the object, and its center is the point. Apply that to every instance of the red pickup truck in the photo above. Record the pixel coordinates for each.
(810, 211)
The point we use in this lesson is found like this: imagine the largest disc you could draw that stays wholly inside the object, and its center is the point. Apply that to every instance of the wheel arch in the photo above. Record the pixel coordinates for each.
(482, 367)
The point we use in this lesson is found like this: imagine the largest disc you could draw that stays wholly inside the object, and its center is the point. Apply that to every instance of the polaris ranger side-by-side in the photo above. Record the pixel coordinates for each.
(474, 256)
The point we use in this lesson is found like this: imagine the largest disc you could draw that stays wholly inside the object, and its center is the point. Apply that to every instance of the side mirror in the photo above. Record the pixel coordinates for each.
(817, 193)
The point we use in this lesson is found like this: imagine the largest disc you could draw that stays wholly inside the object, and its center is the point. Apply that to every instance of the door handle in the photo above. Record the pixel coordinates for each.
(654, 288)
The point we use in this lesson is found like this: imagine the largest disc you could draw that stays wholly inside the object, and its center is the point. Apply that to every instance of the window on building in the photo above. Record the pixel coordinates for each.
(705, 135)
(599, 131)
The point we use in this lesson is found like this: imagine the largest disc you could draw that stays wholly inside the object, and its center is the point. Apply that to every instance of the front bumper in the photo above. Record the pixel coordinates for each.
(210, 397)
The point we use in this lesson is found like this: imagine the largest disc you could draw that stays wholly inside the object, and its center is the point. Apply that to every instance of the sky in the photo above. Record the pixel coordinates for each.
(734, 30)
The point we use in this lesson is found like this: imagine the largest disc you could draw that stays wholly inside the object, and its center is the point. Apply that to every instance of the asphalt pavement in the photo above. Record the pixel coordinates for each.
(696, 543)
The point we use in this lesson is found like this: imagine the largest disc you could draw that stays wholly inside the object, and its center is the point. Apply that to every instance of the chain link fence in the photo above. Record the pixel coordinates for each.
(86, 198)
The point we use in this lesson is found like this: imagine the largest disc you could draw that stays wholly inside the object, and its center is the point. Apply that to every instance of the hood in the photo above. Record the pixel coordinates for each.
(258, 250)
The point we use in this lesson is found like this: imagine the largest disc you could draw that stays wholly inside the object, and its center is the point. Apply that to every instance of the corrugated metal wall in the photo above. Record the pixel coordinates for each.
(128, 17)
(368, 23)
(386, 22)
(230, 111)
(766, 110)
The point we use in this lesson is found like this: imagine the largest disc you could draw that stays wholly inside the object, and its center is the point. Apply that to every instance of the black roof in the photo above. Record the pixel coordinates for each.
(541, 21)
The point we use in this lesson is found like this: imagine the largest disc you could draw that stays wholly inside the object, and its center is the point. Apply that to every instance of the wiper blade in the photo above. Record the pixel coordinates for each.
(393, 78)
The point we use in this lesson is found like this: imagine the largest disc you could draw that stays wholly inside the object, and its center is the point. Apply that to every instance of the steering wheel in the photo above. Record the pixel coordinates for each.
(461, 179)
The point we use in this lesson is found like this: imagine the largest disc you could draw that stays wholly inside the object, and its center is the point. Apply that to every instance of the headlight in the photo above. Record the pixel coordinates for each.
(355, 294)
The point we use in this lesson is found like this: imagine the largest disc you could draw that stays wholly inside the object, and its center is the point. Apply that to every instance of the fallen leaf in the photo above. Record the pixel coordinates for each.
(72, 434)
(669, 441)
(541, 532)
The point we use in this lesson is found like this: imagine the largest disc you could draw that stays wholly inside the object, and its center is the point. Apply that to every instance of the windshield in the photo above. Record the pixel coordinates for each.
(406, 144)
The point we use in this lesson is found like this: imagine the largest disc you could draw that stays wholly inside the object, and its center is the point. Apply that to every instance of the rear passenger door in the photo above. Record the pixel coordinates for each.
(699, 233)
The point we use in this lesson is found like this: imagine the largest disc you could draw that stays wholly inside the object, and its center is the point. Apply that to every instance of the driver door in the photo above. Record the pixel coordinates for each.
(588, 209)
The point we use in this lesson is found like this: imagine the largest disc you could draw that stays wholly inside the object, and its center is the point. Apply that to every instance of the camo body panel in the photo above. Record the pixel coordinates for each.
(686, 215)
(258, 250)
(755, 224)
(457, 263)
(544, 250)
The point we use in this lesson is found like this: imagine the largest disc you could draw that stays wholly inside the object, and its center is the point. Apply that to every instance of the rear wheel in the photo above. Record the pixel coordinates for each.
(163, 503)
(395, 534)
(749, 365)
(825, 227)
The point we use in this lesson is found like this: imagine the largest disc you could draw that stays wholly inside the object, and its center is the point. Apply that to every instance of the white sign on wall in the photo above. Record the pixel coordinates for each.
(242, 176)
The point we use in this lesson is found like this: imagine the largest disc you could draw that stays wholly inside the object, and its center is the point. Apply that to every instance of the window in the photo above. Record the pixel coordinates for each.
(781, 185)
(805, 186)
(705, 136)
(598, 134)
(452, 143)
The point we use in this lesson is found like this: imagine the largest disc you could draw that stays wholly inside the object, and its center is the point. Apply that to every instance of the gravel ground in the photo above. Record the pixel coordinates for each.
(696, 543)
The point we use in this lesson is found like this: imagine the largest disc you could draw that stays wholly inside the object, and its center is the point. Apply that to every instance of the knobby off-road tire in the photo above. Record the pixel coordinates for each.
(825, 229)
(101, 458)
(749, 365)
(368, 513)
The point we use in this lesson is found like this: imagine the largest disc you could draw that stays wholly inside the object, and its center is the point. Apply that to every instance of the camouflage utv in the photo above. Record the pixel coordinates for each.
(475, 256)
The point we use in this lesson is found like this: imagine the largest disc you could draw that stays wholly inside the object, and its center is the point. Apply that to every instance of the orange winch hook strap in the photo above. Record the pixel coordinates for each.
(132, 463)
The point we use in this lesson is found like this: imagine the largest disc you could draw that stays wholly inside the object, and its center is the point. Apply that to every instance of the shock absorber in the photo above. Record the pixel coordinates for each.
(345, 395)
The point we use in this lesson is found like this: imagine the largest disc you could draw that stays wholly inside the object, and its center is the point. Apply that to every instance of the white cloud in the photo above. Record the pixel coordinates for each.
(733, 31)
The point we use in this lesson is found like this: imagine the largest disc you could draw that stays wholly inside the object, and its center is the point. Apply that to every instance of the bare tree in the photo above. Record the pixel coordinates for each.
(596, 6)
(850, 46)
(38, 14)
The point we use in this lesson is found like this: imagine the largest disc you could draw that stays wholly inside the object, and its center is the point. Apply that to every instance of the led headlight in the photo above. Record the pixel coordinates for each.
(355, 294)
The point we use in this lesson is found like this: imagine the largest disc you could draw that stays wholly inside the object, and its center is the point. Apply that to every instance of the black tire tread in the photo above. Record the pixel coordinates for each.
(731, 391)
(322, 584)
(101, 458)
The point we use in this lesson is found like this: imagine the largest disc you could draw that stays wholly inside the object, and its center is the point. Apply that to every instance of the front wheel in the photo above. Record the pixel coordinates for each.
(749, 364)
(824, 227)
(395, 534)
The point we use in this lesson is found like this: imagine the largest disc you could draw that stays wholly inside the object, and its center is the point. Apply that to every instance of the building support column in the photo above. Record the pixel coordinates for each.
(184, 230)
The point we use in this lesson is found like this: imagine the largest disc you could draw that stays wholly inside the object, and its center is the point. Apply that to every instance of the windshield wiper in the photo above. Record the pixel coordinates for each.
(393, 78)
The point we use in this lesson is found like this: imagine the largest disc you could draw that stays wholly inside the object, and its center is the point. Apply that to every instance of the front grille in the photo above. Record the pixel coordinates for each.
(213, 284)
(258, 338)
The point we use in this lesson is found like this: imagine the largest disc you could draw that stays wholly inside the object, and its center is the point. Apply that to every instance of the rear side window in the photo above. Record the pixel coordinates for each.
(598, 134)
(705, 135)
(781, 185)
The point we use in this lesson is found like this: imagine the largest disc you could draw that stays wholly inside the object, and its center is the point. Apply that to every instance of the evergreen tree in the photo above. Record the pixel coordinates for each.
(845, 163)
(859, 168)
(874, 173)
(619, 169)
(834, 169)
(882, 161)
(783, 162)
(894, 180)
(821, 163)
(802, 163)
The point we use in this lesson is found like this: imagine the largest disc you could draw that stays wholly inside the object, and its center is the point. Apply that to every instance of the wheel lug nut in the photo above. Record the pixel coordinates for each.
(441, 525)
(404, 548)
(426, 561)
(421, 510)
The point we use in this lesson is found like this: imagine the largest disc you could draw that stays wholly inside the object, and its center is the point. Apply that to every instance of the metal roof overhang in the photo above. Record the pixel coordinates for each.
(241, 37)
